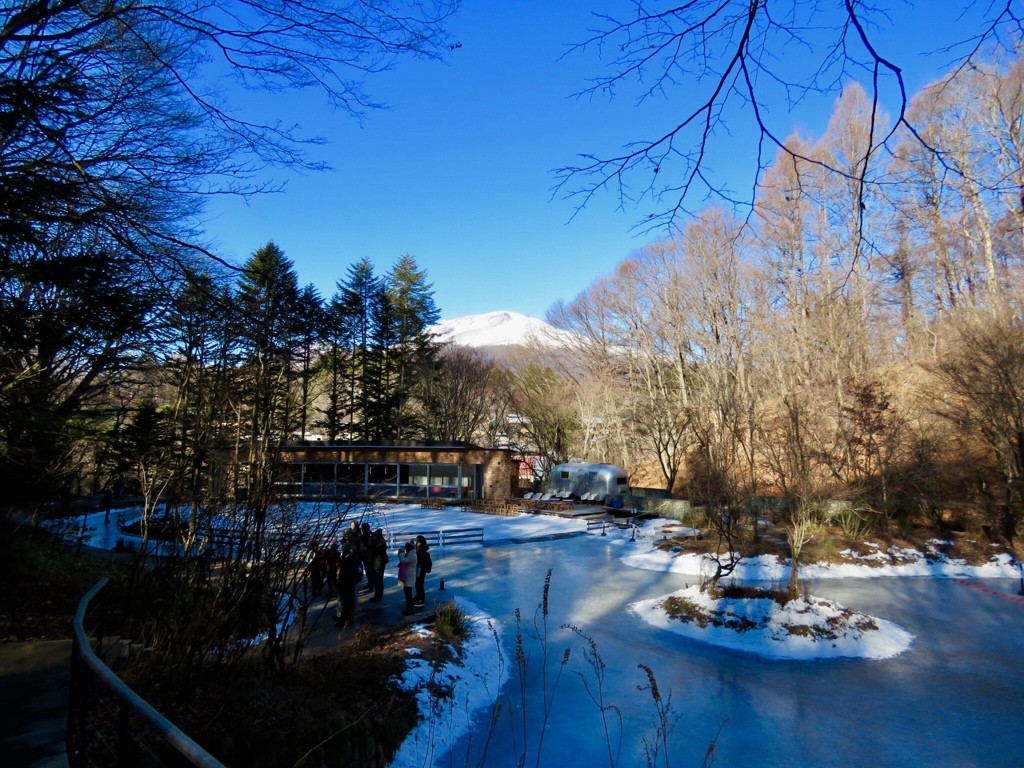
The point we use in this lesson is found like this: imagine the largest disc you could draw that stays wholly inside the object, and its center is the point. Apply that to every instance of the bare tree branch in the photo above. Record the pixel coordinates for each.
(734, 58)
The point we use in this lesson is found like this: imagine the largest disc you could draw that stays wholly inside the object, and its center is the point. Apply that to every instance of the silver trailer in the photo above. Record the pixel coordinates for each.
(601, 480)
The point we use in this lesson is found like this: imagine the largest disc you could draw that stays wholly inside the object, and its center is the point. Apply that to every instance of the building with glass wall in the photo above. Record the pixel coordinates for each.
(422, 470)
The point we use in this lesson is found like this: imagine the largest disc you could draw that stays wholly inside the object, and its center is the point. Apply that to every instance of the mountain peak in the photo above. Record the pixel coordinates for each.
(498, 329)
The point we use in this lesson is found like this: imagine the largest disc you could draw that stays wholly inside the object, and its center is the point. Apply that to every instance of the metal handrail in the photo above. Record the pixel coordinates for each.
(130, 701)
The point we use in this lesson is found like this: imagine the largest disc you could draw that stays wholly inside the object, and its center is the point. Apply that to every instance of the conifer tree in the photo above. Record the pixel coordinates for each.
(379, 336)
(411, 299)
(380, 368)
(201, 365)
(75, 316)
(267, 299)
(356, 301)
(334, 365)
(310, 329)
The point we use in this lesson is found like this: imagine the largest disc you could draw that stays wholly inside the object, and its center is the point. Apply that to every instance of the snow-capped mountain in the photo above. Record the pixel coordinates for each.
(498, 329)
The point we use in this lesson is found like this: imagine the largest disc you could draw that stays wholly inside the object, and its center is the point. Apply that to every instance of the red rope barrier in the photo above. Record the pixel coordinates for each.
(966, 583)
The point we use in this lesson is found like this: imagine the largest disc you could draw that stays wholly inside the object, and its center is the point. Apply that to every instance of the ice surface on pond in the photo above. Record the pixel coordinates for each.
(955, 697)
(895, 711)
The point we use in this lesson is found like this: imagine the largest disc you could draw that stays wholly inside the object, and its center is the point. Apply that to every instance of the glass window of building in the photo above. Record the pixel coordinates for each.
(351, 480)
(382, 478)
(444, 480)
(471, 479)
(413, 479)
(318, 473)
(352, 473)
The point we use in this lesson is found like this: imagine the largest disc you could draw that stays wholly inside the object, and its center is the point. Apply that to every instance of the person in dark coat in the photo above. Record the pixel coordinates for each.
(365, 543)
(351, 535)
(349, 568)
(108, 503)
(318, 569)
(333, 560)
(379, 553)
(424, 564)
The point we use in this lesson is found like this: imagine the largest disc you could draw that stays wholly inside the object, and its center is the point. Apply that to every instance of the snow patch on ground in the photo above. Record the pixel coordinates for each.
(806, 628)
(894, 562)
(474, 679)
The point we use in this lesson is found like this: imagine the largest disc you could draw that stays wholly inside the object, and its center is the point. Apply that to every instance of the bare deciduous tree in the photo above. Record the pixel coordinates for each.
(984, 373)
(541, 419)
(453, 393)
(736, 60)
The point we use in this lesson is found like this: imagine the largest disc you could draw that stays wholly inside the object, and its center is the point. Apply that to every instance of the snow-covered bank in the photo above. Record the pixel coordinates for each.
(892, 563)
(473, 680)
(640, 550)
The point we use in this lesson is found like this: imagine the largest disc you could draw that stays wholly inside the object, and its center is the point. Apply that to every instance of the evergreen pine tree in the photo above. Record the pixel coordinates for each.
(310, 329)
(411, 301)
(201, 365)
(381, 378)
(267, 299)
(335, 366)
(378, 336)
(359, 295)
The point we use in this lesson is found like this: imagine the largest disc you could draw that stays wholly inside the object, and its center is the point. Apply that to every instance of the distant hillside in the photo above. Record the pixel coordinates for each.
(499, 329)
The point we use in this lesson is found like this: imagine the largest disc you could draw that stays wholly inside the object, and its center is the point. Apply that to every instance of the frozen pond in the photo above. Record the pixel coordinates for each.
(955, 698)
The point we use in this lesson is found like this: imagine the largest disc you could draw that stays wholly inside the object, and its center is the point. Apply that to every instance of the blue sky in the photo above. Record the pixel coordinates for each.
(458, 172)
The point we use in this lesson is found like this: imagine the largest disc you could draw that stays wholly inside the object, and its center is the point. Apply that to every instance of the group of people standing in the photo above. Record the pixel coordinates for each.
(365, 552)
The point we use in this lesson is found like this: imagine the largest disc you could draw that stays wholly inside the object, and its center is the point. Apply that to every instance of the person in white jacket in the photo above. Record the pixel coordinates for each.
(407, 562)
